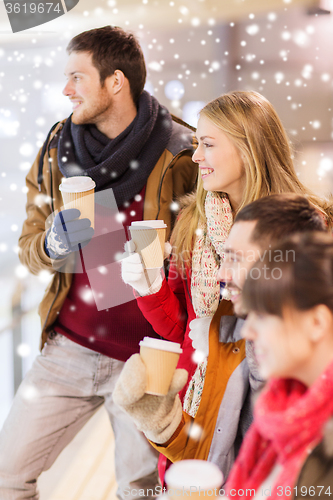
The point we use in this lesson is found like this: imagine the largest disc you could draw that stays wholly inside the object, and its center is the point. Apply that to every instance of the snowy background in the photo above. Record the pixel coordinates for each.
(195, 50)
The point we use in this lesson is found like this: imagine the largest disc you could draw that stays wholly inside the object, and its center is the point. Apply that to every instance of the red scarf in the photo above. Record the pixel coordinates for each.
(288, 422)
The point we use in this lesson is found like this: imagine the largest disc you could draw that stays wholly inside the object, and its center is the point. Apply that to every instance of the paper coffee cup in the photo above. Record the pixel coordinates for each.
(149, 237)
(78, 192)
(197, 479)
(160, 358)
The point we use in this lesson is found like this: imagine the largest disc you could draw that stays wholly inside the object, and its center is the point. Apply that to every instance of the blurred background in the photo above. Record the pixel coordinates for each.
(195, 50)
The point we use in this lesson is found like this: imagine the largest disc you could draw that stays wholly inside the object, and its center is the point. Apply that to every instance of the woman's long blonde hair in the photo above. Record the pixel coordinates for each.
(254, 127)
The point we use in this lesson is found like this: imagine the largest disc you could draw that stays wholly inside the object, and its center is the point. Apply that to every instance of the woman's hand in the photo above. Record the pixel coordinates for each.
(133, 272)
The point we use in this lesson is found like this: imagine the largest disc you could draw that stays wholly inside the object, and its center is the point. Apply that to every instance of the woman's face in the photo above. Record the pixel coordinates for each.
(220, 163)
(283, 347)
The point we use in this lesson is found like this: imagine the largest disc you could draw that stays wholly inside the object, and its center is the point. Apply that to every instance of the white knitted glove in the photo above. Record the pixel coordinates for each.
(144, 281)
(199, 334)
(157, 416)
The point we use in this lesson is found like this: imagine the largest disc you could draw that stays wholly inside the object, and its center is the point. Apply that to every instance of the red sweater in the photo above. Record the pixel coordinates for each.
(99, 313)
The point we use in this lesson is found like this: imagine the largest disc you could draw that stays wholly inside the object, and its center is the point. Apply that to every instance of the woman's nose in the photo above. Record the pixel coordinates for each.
(247, 331)
(197, 155)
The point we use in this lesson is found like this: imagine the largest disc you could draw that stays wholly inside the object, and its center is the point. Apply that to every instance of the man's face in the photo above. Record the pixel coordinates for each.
(240, 255)
(91, 102)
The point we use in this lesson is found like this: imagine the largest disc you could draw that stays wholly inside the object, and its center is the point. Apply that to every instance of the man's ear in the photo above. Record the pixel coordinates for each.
(115, 82)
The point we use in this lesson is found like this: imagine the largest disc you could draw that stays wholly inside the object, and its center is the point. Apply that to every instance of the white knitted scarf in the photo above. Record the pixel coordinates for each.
(205, 289)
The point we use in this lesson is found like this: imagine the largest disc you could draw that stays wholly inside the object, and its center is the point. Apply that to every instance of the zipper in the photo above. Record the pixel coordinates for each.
(41, 160)
(52, 208)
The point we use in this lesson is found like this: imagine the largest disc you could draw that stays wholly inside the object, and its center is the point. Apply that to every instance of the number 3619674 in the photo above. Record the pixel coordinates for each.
(32, 8)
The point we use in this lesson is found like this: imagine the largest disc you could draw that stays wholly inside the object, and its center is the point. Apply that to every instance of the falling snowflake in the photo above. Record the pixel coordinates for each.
(195, 432)
(23, 350)
(174, 90)
(279, 77)
(252, 29)
(21, 271)
(29, 392)
(325, 165)
(44, 276)
(155, 66)
(325, 77)
(26, 149)
(198, 356)
(301, 38)
(86, 296)
(195, 21)
(316, 124)
(307, 71)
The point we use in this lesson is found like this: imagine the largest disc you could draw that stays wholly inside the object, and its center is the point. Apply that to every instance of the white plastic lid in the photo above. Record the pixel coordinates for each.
(156, 224)
(194, 473)
(77, 184)
(162, 345)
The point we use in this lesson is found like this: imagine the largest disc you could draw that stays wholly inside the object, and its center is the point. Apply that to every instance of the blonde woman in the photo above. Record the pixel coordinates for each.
(243, 154)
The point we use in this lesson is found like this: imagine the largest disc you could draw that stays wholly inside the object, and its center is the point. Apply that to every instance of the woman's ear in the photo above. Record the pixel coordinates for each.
(321, 319)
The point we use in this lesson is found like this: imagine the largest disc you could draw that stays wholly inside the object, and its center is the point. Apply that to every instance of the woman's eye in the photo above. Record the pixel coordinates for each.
(207, 145)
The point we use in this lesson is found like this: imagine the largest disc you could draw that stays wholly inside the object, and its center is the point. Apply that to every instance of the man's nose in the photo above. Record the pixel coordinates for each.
(68, 89)
(224, 273)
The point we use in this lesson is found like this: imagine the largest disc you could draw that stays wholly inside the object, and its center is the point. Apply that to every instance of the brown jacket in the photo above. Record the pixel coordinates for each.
(224, 412)
(173, 176)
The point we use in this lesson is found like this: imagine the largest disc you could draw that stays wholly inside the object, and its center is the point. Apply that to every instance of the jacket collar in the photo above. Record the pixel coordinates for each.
(328, 439)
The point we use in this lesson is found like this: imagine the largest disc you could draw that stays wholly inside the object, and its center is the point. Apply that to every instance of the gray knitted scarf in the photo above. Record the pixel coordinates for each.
(123, 163)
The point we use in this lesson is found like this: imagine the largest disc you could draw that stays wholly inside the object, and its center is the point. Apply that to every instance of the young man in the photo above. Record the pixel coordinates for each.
(123, 139)
(224, 413)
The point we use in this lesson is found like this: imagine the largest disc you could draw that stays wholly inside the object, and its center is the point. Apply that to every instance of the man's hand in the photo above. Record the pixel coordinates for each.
(157, 416)
(67, 233)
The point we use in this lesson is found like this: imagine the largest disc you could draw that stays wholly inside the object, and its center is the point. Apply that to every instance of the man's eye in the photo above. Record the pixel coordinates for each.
(231, 259)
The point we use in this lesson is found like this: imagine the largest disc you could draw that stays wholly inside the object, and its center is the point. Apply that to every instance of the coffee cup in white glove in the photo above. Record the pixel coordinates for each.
(144, 281)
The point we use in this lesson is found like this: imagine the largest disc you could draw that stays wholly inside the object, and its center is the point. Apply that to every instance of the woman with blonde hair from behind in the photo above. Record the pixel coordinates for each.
(243, 154)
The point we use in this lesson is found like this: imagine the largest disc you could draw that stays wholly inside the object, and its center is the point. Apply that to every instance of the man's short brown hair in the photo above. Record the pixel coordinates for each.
(280, 215)
(113, 48)
(302, 282)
